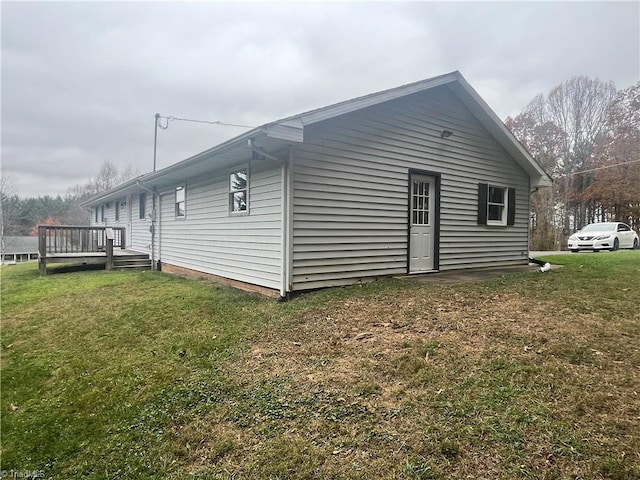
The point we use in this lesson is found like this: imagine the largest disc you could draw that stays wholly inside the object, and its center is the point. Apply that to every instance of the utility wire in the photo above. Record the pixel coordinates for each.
(599, 168)
(215, 122)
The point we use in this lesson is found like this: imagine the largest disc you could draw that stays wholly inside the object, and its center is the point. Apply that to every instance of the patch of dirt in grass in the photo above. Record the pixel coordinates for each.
(335, 347)
(437, 383)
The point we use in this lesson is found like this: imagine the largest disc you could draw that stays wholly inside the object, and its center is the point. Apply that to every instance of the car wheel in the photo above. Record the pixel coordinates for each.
(616, 245)
(635, 244)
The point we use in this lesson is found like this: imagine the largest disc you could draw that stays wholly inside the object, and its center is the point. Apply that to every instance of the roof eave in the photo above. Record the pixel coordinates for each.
(111, 193)
(150, 178)
(359, 103)
(502, 134)
(205, 155)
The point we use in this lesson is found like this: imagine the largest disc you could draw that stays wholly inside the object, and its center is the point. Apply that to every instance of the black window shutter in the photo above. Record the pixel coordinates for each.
(483, 192)
(511, 206)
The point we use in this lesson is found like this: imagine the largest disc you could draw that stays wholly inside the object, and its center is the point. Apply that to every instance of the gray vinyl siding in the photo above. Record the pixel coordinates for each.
(109, 215)
(110, 218)
(243, 247)
(93, 222)
(350, 199)
(140, 235)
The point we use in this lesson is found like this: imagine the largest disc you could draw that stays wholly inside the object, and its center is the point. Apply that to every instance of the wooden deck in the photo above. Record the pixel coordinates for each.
(86, 245)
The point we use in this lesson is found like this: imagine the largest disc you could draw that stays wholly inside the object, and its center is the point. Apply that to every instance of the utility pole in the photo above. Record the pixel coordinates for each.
(157, 118)
(155, 139)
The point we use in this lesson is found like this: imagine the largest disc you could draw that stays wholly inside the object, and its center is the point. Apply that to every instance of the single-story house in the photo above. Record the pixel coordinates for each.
(420, 178)
(19, 249)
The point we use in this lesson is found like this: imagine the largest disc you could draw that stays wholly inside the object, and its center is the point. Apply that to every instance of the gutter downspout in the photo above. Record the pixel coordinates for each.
(284, 215)
(159, 262)
(153, 221)
(284, 222)
(289, 227)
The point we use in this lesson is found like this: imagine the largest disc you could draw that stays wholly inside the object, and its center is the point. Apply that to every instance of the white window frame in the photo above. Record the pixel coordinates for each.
(233, 191)
(504, 204)
(142, 206)
(183, 189)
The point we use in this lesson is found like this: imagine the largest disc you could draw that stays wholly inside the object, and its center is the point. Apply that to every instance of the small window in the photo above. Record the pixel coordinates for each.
(180, 202)
(496, 205)
(143, 205)
(239, 191)
(421, 202)
(117, 210)
(95, 215)
(102, 213)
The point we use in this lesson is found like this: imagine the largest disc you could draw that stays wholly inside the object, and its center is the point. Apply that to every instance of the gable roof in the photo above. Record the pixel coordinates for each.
(291, 130)
(463, 91)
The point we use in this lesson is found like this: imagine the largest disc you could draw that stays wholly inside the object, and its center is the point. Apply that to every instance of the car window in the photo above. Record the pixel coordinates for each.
(600, 227)
(623, 228)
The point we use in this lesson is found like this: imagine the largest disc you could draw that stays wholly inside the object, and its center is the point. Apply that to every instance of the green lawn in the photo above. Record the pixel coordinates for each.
(146, 375)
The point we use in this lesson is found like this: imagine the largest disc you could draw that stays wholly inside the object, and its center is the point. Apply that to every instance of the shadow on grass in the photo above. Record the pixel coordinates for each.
(74, 268)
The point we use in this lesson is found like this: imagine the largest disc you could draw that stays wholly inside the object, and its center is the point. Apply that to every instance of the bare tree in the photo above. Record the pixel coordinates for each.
(7, 194)
(578, 107)
(563, 130)
(615, 177)
(107, 177)
(544, 140)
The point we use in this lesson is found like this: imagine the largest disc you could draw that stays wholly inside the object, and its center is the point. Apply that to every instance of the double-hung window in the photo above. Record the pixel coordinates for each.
(496, 205)
(180, 202)
(239, 190)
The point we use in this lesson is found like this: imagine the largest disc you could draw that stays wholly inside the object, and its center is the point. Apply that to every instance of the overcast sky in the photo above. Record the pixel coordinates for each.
(81, 82)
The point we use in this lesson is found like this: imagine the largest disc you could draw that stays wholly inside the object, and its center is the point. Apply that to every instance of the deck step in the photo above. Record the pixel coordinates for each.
(129, 268)
(140, 256)
(132, 262)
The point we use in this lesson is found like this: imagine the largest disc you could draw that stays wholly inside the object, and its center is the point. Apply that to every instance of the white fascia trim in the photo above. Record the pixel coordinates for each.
(112, 193)
(524, 158)
(289, 130)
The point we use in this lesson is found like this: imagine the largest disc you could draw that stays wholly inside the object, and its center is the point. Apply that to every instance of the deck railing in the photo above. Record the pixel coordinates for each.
(77, 239)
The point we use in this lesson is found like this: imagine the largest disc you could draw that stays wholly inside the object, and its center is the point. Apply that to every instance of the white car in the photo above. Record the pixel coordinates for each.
(603, 236)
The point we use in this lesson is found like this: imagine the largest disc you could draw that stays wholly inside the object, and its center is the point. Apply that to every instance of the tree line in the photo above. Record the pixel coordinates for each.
(20, 216)
(586, 135)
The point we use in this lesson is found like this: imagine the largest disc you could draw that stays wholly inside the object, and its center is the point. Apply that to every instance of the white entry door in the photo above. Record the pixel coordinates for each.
(422, 224)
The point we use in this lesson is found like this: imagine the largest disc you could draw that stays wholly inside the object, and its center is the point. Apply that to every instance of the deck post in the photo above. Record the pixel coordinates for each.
(42, 249)
(109, 235)
(42, 266)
